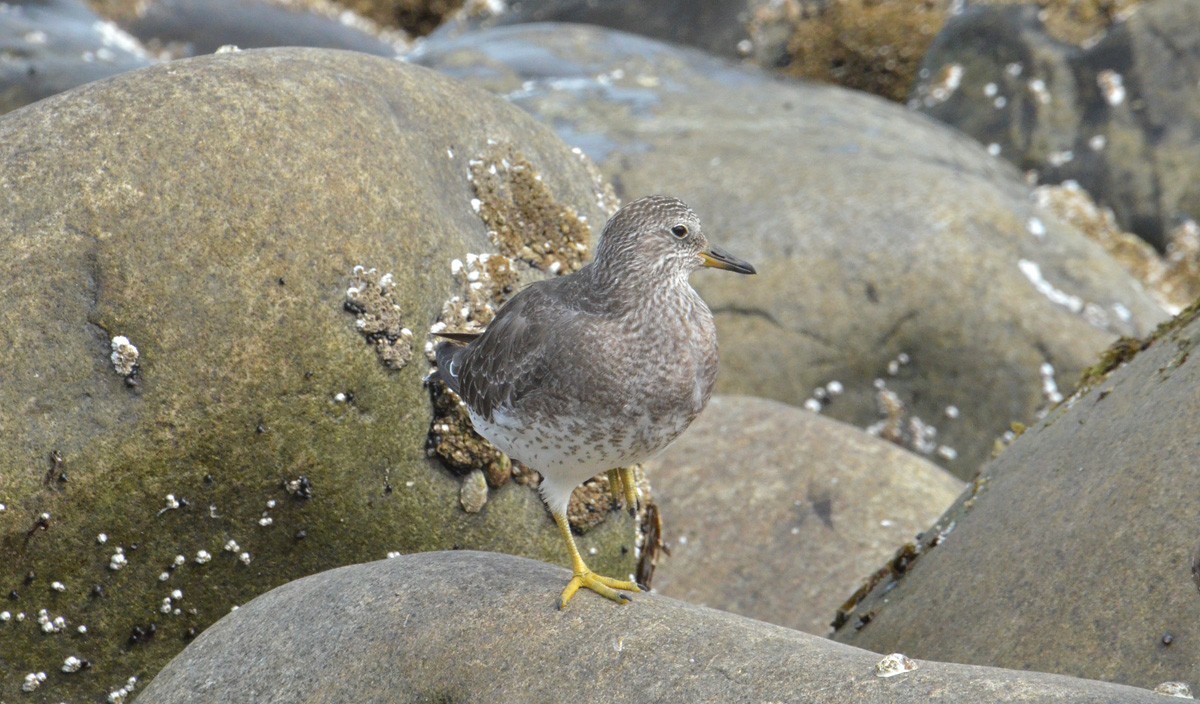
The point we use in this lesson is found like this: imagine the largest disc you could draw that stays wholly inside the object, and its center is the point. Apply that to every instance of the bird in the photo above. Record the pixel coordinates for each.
(600, 369)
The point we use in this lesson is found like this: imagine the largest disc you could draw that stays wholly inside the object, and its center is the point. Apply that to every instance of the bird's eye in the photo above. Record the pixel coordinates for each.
(680, 231)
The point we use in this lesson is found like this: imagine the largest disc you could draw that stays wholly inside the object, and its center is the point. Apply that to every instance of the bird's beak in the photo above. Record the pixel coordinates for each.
(718, 258)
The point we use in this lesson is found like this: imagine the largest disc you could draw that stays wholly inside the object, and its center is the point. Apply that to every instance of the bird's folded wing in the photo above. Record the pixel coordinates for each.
(511, 359)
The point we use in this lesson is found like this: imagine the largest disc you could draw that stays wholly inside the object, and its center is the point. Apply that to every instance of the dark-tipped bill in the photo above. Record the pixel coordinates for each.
(718, 258)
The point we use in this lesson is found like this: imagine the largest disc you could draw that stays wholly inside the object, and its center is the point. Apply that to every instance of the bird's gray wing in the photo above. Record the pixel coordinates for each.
(511, 358)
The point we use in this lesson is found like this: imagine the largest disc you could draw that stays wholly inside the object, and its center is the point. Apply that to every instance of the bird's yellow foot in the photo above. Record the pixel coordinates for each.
(584, 578)
(606, 587)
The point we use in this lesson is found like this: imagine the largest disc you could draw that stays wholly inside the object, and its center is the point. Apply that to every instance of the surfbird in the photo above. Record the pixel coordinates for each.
(600, 369)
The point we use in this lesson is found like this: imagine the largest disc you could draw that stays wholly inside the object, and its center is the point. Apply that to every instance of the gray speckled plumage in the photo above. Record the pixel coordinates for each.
(602, 368)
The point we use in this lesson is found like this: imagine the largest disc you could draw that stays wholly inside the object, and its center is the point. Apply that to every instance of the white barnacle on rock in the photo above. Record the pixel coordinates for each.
(232, 546)
(1175, 689)
(72, 664)
(1097, 142)
(202, 557)
(393, 554)
(993, 149)
(1038, 87)
(81, 630)
(1112, 87)
(117, 561)
(265, 521)
(894, 664)
(1036, 227)
(33, 680)
(949, 79)
(5, 616)
(124, 355)
(951, 412)
(102, 538)
(834, 388)
(244, 558)
(813, 405)
(58, 586)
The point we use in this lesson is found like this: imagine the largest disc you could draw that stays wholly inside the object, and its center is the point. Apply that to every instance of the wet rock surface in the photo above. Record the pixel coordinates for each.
(51, 46)
(195, 27)
(776, 513)
(441, 626)
(889, 248)
(1118, 114)
(188, 403)
(1073, 552)
(717, 26)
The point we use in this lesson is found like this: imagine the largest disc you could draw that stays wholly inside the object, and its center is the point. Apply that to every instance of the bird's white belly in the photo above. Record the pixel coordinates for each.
(568, 450)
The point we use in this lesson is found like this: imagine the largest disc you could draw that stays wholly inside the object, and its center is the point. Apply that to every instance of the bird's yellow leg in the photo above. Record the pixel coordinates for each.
(586, 579)
(615, 483)
(630, 482)
(623, 485)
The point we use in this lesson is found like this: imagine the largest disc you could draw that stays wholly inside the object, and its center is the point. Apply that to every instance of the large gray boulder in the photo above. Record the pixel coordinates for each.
(888, 246)
(474, 627)
(776, 513)
(210, 213)
(1076, 550)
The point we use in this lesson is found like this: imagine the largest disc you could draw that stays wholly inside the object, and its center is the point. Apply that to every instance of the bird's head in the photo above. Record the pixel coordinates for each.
(661, 236)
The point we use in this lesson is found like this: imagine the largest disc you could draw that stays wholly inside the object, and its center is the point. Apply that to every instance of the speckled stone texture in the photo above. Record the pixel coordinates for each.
(212, 211)
(879, 231)
(1077, 552)
(776, 513)
(474, 627)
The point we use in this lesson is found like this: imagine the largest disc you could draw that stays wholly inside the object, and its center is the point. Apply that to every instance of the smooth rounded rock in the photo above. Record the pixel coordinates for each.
(888, 246)
(191, 397)
(776, 513)
(1076, 551)
(466, 626)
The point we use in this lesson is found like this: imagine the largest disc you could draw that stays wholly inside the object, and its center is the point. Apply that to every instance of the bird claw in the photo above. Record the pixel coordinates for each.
(606, 587)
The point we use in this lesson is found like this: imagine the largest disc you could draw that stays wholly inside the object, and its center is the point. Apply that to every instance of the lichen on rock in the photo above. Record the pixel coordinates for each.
(524, 219)
(371, 298)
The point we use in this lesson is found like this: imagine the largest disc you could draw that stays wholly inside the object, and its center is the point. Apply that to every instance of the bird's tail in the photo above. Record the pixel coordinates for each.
(449, 362)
